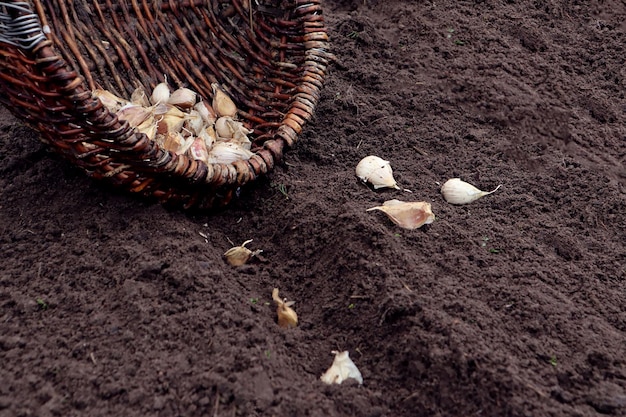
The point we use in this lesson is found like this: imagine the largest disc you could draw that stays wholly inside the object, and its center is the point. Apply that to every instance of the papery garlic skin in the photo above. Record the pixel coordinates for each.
(342, 368)
(456, 191)
(408, 215)
(376, 171)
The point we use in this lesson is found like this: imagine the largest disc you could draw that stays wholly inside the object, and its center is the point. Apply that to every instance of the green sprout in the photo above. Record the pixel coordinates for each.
(553, 360)
(42, 304)
(351, 306)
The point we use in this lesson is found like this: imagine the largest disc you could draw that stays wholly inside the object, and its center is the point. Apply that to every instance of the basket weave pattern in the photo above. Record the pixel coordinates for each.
(271, 58)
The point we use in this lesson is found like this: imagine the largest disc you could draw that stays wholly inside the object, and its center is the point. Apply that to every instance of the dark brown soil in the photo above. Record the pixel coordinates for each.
(514, 305)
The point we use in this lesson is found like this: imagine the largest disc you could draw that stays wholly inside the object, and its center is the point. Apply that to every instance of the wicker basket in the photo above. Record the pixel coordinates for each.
(271, 59)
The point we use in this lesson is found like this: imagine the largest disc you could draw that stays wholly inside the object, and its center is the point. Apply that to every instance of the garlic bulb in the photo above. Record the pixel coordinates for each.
(287, 317)
(240, 255)
(455, 191)
(377, 172)
(342, 368)
(408, 215)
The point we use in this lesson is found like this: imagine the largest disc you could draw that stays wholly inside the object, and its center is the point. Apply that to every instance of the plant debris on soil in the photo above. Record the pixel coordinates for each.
(513, 305)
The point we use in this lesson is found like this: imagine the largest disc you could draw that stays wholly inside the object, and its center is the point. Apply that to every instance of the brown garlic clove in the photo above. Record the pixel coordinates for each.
(222, 103)
(240, 255)
(287, 317)
(408, 215)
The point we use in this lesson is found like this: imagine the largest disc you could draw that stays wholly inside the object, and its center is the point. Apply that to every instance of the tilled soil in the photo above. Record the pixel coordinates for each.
(513, 305)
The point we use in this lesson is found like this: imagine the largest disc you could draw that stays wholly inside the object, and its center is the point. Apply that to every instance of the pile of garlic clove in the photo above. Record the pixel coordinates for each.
(180, 122)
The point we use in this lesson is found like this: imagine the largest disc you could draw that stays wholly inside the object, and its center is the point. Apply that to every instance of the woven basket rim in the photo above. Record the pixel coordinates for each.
(133, 161)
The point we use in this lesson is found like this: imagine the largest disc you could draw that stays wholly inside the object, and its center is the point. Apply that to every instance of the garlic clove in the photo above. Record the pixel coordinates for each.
(160, 94)
(408, 215)
(287, 317)
(342, 368)
(112, 102)
(222, 103)
(183, 98)
(134, 114)
(140, 97)
(226, 153)
(148, 127)
(198, 150)
(240, 255)
(456, 191)
(206, 112)
(172, 120)
(224, 127)
(242, 139)
(376, 171)
(194, 122)
(208, 135)
(175, 142)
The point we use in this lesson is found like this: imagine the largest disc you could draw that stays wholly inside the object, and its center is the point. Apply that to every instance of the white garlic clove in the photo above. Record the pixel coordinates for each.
(376, 171)
(206, 112)
(408, 215)
(240, 255)
(342, 368)
(287, 317)
(183, 98)
(456, 191)
(224, 127)
(226, 153)
(222, 103)
(160, 94)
